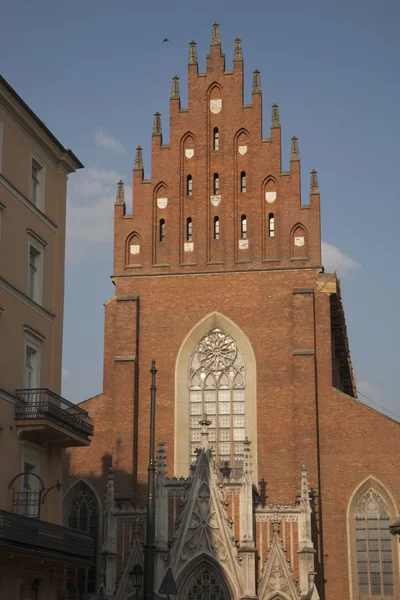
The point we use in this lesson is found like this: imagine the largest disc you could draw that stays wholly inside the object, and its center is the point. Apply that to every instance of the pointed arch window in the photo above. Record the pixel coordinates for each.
(189, 185)
(216, 184)
(271, 225)
(373, 547)
(207, 587)
(216, 228)
(189, 230)
(243, 227)
(217, 389)
(215, 138)
(162, 230)
(243, 184)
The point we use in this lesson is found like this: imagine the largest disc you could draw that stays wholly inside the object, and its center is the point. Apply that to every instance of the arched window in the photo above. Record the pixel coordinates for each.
(216, 228)
(216, 184)
(216, 139)
(217, 389)
(83, 516)
(162, 230)
(373, 547)
(243, 227)
(207, 586)
(243, 182)
(189, 230)
(271, 225)
(189, 185)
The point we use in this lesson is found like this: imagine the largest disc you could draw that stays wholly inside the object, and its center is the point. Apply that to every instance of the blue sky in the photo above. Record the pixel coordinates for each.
(96, 71)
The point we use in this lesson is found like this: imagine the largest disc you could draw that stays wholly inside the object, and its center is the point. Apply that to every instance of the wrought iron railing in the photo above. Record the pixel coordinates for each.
(18, 531)
(44, 404)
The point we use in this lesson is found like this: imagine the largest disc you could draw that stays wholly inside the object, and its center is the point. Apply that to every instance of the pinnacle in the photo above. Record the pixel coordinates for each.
(175, 92)
(138, 165)
(120, 201)
(256, 82)
(216, 39)
(294, 149)
(314, 185)
(157, 124)
(275, 118)
(192, 53)
(238, 52)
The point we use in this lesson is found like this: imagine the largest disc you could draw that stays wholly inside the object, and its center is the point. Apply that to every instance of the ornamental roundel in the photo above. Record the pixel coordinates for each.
(216, 106)
(217, 351)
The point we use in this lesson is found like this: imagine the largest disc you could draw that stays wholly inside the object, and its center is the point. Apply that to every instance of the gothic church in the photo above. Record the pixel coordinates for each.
(273, 481)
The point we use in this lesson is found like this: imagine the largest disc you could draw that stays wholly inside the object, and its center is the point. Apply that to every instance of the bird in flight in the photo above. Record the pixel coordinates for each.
(165, 40)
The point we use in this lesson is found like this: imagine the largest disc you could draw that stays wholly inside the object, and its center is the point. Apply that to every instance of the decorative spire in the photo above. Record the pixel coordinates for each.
(157, 124)
(216, 40)
(237, 52)
(175, 92)
(138, 166)
(110, 490)
(161, 460)
(247, 456)
(256, 82)
(294, 149)
(120, 199)
(275, 118)
(192, 53)
(304, 492)
(314, 185)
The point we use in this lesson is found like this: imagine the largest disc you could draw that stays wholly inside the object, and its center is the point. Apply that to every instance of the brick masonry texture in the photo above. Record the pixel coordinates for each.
(163, 292)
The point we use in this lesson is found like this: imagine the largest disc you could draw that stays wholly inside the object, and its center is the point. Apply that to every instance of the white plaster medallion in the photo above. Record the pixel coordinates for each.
(243, 244)
(242, 150)
(162, 202)
(188, 247)
(299, 241)
(270, 197)
(189, 152)
(216, 200)
(216, 106)
(135, 248)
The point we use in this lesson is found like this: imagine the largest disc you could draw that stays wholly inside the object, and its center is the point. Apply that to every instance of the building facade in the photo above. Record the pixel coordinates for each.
(35, 421)
(218, 276)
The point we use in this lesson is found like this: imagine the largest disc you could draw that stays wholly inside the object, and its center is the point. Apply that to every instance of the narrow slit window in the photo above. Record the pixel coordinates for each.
(271, 225)
(189, 230)
(162, 230)
(243, 182)
(216, 184)
(189, 185)
(216, 228)
(243, 227)
(216, 138)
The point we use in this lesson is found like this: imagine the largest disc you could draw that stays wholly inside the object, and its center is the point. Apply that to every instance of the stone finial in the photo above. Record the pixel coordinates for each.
(157, 124)
(237, 52)
(294, 149)
(120, 199)
(175, 92)
(314, 185)
(304, 491)
(138, 166)
(161, 459)
(110, 491)
(247, 456)
(256, 82)
(192, 53)
(216, 39)
(275, 118)
(276, 527)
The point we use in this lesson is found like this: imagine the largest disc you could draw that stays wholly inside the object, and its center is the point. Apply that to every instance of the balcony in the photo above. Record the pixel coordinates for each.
(46, 418)
(22, 534)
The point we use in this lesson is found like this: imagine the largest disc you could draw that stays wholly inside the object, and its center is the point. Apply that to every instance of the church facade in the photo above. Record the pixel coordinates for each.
(273, 481)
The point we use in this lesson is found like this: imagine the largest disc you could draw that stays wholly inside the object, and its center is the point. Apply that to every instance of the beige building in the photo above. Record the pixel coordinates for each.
(36, 552)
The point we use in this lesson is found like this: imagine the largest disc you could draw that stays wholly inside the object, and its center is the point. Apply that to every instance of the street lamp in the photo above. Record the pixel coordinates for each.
(137, 577)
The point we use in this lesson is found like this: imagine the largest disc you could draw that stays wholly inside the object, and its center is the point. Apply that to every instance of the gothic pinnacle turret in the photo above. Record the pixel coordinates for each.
(314, 185)
(238, 52)
(138, 159)
(294, 149)
(275, 118)
(175, 91)
(157, 124)
(216, 39)
(120, 199)
(192, 53)
(256, 82)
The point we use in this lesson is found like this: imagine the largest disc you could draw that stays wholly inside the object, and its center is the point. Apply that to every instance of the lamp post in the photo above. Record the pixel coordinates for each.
(151, 508)
(137, 576)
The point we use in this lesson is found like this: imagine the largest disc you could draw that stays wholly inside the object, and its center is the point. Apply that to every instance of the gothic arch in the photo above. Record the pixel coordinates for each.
(199, 566)
(158, 189)
(363, 487)
(214, 86)
(181, 444)
(132, 248)
(299, 241)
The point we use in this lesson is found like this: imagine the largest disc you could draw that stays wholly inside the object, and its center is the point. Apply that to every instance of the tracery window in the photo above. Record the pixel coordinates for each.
(83, 516)
(206, 587)
(373, 547)
(217, 389)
